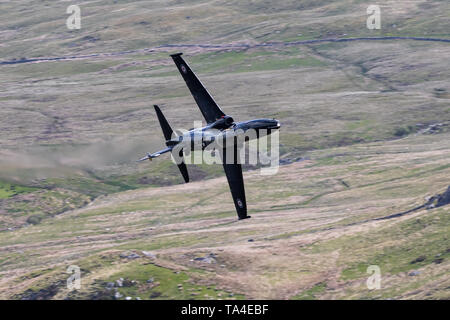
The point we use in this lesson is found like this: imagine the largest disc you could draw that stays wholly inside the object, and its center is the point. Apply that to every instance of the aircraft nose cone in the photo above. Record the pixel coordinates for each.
(275, 124)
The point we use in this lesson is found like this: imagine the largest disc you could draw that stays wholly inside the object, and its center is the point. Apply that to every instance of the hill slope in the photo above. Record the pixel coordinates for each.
(313, 233)
(368, 120)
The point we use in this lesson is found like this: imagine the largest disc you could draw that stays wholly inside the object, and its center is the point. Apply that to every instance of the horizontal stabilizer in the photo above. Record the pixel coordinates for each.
(184, 172)
(182, 166)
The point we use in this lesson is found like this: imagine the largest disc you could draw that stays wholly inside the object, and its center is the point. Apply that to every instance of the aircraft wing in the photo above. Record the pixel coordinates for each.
(236, 183)
(209, 108)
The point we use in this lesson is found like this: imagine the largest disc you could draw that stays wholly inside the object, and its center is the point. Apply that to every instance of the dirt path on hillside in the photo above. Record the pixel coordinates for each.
(213, 47)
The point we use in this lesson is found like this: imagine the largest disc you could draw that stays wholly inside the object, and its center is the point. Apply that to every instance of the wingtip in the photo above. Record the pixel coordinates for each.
(176, 54)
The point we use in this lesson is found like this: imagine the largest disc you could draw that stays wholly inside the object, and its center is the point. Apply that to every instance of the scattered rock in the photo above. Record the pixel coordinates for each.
(138, 298)
(128, 298)
(117, 295)
(151, 280)
(148, 254)
(119, 282)
(110, 285)
(438, 260)
(444, 198)
(431, 129)
(42, 294)
(414, 273)
(129, 255)
(210, 258)
(90, 39)
(128, 283)
(251, 240)
(419, 259)
(345, 184)
(285, 161)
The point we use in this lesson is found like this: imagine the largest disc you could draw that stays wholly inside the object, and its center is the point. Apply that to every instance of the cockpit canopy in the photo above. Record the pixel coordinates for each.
(262, 124)
(223, 123)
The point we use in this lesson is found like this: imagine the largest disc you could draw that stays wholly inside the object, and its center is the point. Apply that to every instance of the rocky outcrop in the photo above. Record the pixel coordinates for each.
(439, 200)
(433, 202)
(443, 199)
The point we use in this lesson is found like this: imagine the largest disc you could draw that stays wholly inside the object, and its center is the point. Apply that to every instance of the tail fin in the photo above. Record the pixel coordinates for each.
(167, 130)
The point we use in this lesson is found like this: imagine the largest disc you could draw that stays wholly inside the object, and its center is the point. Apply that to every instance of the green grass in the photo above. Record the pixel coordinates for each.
(411, 239)
(311, 294)
(8, 190)
(262, 60)
(165, 284)
(61, 68)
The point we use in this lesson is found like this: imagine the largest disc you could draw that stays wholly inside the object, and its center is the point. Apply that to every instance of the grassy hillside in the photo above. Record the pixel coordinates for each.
(370, 118)
(37, 28)
(312, 234)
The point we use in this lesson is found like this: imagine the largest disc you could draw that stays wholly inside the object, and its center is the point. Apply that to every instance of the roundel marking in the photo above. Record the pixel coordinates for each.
(239, 203)
(183, 68)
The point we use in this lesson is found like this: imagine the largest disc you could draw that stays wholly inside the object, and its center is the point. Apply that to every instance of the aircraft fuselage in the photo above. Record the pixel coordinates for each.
(204, 136)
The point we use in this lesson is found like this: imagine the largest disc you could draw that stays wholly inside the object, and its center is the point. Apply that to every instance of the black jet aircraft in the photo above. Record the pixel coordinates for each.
(218, 123)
